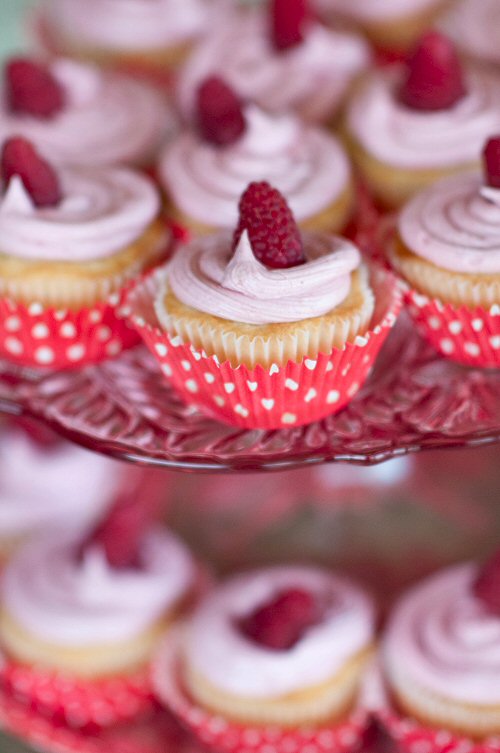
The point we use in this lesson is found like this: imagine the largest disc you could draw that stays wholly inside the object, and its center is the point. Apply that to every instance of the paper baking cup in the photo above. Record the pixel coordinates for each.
(78, 703)
(470, 336)
(276, 397)
(225, 736)
(63, 339)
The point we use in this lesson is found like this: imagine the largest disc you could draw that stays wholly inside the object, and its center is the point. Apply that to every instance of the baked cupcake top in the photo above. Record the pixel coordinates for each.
(280, 630)
(70, 599)
(447, 638)
(310, 77)
(206, 179)
(475, 27)
(375, 10)
(80, 115)
(127, 25)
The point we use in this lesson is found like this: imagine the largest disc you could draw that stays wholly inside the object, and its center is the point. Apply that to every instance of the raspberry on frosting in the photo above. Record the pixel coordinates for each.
(219, 112)
(491, 156)
(487, 585)
(288, 20)
(31, 89)
(19, 157)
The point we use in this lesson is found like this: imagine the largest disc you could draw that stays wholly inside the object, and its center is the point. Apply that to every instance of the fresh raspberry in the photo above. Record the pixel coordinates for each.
(435, 79)
(487, 585)
(31, 89)
(288, 22)
(219, 113)
(19, 157)
(271, 227)
(491, 157)
(282, 622)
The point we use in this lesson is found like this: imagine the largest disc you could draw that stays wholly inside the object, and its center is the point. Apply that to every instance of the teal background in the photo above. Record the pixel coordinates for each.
(12, 36)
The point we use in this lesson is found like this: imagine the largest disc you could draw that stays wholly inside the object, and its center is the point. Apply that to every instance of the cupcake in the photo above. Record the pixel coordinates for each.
(439, 654)
(297, 640)
(447, 248)
(72, 240)
(78, 115)
(268, 328)
(408, 128)
(280, 59)
(205, 171)
(474, 25)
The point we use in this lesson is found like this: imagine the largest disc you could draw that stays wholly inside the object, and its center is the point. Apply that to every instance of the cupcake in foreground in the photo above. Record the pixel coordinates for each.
(280, 59)
(440, 654)
(266, 328)
(79, 115)
(205, 171)
(474, 25)
(297, 640)
(447, 248)
(408, 129)
(72, 239)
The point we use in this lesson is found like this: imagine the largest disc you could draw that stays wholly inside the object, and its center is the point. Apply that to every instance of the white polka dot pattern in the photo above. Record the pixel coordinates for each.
(412, 737)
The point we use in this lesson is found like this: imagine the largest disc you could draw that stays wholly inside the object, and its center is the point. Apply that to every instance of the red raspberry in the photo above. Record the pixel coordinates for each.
(491, 157)
(19, 157)
(288, 22)
(219, 113)
(435, 78)
(271, 227)
(486, 587)
(31, 89)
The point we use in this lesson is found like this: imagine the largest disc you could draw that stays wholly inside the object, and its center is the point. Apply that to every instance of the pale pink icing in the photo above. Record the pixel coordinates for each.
(310, 78)
(71, 603)
(375, 10)
(103, 211)
(412, 139)
(475, 27)
(203, 276)
(127, 25)
(213, 642)
(443, 640)
(306, 164)
(108, 118)
(455, 224)
(42, 488)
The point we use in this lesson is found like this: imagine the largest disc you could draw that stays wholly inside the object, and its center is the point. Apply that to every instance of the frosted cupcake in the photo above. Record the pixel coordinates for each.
(440, 655)
(204, 172)
(71, 241)
(474, 25)
(408, 129)
(281, 60)
(79, 115)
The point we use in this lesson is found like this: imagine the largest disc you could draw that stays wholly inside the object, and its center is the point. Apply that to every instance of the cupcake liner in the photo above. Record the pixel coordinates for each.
(35, 336)
(275, 397)
(225, 736)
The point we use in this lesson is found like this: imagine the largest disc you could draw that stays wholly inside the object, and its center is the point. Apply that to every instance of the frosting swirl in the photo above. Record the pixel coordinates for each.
(310, 78)
(455, 224)
(213, 643)
(71, 603)
(307, 165)
(103, 211)
(474, 25)
(242, 289)
(408, 138)
(108, 118)
(442, 637)
(375, 10)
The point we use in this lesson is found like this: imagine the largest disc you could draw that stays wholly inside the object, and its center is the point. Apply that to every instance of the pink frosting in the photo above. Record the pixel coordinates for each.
(71, 603)
(310, 78)
(375, 10)
(242, 289)
(412, 139)
(108, 118)
(127, 25)
(213, 643)
(103, 211)
(306, 164)
(475, 26)
(442, 639)
(455, 224)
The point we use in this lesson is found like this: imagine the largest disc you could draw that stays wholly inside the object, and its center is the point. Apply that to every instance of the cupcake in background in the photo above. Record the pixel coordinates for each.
(205, 170)
(474, 25)
(280, 59)
(297, 640)
(79, 115)
(408, 127)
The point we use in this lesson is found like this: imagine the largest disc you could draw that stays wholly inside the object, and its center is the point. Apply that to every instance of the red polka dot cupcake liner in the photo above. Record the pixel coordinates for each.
(225, 736)
(35, 336)
(75, 702)
(277, 397)
(470, 336)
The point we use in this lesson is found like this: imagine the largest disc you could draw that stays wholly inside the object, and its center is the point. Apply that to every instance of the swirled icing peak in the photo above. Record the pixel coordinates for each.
(204, 276)
(455, 224)
(445, 640)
